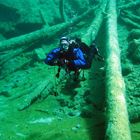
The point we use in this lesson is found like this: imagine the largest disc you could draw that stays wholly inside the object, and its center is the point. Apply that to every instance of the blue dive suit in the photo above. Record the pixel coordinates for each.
(77, 57)
(74, 56)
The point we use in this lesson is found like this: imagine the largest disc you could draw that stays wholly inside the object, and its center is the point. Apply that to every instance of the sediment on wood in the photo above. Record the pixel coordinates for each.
(117, 123)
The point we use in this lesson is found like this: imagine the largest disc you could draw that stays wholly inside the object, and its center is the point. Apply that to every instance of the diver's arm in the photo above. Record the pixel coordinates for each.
(52, 57)
(80, 62)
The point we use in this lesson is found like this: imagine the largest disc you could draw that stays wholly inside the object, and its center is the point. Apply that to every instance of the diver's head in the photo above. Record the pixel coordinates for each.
(64, 44)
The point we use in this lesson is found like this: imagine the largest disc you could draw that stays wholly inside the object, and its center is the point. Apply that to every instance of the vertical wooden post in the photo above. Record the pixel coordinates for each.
(117, 123)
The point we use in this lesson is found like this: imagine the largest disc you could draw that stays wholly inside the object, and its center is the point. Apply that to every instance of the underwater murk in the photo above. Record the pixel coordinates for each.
(102, 103)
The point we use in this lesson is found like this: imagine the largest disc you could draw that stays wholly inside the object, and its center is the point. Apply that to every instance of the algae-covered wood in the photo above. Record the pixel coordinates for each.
(34, 103)
(117, 123)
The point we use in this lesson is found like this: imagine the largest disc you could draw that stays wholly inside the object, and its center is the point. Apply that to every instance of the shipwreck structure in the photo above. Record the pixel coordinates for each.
(26, 80)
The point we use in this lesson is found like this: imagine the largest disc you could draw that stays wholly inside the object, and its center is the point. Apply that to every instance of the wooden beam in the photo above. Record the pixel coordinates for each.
(132, 4)
(44, 33)
(117, 123)
(41, 91)
(95, 25)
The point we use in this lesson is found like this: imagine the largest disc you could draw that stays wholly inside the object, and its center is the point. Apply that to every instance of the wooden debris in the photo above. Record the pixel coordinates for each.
(62, 12)
(42, 15)
(117, 123)
(131, 23)
(19, 94)
(39, 54)
(45, 33)
(40, 92)
(11, 55)
(131, 16)
(132, 4)
(7, 69)
(95, 25)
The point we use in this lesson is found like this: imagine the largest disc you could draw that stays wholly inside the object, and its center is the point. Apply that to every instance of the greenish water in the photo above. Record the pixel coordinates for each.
(34, 104)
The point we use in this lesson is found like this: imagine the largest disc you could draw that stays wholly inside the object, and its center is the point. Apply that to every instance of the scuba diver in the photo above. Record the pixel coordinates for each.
(73, 55)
